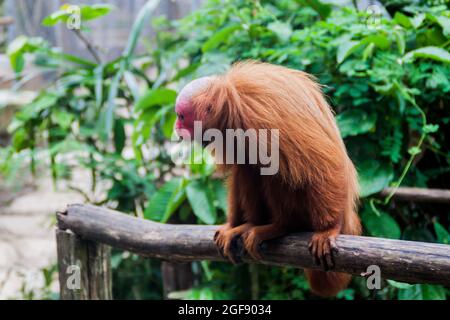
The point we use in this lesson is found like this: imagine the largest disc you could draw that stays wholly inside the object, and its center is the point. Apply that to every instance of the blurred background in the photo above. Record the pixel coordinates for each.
(86, 110)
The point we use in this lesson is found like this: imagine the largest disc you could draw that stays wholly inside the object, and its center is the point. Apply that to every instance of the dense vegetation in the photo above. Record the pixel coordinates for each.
(386, 77)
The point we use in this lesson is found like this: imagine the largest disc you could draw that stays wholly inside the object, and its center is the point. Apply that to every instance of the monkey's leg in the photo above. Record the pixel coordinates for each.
(323, 246)
(254, 237)
(226, 239)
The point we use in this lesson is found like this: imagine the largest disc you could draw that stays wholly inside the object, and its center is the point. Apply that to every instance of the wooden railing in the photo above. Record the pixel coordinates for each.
(85, 234)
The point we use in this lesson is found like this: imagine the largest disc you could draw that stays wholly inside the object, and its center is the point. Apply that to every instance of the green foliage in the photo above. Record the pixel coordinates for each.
(86, 13)
(388, 84)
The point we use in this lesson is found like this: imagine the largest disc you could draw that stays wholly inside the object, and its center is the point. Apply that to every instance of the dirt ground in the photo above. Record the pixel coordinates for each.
(27, 236)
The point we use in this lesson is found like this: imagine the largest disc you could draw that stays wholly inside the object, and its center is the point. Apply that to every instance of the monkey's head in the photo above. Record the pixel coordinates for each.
(187, 107)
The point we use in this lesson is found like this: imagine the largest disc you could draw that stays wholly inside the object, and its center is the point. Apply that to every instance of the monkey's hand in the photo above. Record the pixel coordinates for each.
(254, 238)
(323, 248)
(226, 239)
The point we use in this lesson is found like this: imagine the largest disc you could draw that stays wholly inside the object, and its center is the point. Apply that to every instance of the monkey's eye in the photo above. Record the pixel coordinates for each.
(180, 116)
(209, 109)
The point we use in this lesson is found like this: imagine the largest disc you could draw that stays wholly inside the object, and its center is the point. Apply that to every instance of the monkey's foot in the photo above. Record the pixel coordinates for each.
(323, 247)
(226, 239)
(252, 244)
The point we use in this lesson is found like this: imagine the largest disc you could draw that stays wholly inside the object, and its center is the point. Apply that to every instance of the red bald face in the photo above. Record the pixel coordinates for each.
(184, 108)
(184, 125)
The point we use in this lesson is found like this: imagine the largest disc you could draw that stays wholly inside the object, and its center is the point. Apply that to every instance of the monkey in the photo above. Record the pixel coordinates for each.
(316, 186)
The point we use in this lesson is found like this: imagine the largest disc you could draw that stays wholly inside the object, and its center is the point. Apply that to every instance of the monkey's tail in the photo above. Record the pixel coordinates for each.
(327, 284)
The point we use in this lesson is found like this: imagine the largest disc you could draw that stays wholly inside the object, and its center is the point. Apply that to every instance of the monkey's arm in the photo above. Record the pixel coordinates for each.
(245, 211)
(223, 238)
(326, 213)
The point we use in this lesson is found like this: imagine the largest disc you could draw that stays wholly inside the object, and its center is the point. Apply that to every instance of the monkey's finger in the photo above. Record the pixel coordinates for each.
(326, 256)
(321, 252)
(234, 251)
(333, 245)
(324, 262)
(240, 247)
(330, 261)
(221, 252)
(254, 252)
(314, 253)
(219, 246)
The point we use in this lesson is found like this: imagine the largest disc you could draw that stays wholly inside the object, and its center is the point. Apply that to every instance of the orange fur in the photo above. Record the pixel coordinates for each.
(316, 186)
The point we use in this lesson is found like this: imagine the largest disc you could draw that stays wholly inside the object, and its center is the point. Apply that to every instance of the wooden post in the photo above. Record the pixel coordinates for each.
(176, 276)
(84, 268)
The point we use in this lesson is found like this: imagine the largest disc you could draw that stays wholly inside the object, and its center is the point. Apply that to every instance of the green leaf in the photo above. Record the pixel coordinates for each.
(95, 11)
(44, 101)
(20, 140)
(166, 200)
(220, 194)
(119, 136)
(58, 55)
(321, 8)
(412, 293)
(433, 292)
(380, 40)
(421, 234)
(283, 30)
(62, 118)
(431, 128)
(202, 206)
(220, 37)
(373, 176)
(346, 48)
(86, 13)
(402, 20)
(17, 45)
(383, 226)
(417, 20)
(444, 22)
(55, 17)
(414, 151)
(168, 124)
(422, 292)
(399, 285)
(132, 84)
(353, 122)
(106, 119)
(434, 53)
(155, 97)
(441, 233)
(15, 52)
(146, 11)
(400, 39)
(98, 74)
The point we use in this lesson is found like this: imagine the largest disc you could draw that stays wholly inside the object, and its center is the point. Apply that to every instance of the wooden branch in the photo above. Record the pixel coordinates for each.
(414, 262)
(418, 194)
(84, 268)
